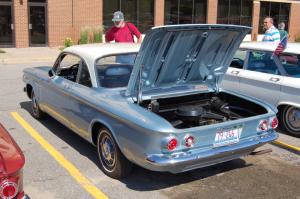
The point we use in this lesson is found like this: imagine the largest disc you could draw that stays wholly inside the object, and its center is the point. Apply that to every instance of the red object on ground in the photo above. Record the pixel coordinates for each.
(12, 161)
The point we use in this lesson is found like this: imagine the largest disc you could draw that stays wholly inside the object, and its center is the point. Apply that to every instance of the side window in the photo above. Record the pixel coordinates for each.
(114, 71)
(238, 59)
(291, 64)
(84, 77)
(262, 62)
(68, 67)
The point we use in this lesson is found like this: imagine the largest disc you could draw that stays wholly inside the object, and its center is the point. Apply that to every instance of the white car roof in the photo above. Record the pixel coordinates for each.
(91, 52)
(271, 46)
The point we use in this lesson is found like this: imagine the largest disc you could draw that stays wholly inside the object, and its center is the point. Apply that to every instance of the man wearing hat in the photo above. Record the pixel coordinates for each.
(122, 31)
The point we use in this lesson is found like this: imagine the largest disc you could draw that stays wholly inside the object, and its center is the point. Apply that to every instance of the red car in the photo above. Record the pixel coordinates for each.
(11, 163)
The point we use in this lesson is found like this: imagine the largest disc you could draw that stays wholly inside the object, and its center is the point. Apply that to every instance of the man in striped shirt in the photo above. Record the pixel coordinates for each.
(272, 34)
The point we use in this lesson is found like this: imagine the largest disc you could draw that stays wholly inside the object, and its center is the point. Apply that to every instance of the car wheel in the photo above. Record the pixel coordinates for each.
(35, 109)
(290, 119)
(113, 163)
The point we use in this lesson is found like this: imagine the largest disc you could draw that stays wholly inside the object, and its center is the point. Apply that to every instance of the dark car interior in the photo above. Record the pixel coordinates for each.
(114, 75)
(69, 73)
(262, 62)
(291, 64)
(237, 63)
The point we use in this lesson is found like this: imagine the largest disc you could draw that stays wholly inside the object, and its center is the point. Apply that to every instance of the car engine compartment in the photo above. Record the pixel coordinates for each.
(202, 109)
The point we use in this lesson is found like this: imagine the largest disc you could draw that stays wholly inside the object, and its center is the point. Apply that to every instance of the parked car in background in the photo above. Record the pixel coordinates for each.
(257, 72)
(11, 163)
(159, 105)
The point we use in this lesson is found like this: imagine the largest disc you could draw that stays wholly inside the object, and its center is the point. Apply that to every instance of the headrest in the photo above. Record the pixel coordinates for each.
(117, 70)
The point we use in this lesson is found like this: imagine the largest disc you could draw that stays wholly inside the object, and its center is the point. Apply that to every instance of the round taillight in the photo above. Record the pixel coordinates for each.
(274, 123)
(172, 144)
(8, 190)
(263, 125)
(189, 141)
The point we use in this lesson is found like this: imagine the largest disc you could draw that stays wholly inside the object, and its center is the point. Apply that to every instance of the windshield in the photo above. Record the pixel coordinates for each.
(291, 64)
(114, 71)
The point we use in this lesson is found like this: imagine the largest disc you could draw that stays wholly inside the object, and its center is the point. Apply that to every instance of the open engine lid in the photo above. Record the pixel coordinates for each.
(185, 54)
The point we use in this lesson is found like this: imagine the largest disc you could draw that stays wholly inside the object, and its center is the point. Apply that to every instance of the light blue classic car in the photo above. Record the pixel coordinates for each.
(157, 105)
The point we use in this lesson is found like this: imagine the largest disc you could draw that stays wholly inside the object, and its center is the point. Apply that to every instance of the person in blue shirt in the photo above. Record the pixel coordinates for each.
(272, 34)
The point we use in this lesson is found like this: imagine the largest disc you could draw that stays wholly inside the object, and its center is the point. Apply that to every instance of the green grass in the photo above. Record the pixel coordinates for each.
(84, 37)
(2, 51)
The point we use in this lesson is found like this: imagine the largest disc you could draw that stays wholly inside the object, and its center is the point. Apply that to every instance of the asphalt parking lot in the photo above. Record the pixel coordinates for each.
(63, 165)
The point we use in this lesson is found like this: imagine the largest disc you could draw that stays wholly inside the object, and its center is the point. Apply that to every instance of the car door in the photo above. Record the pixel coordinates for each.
(57, 91)
(80, 112)
(290, 86)
(262, 77)
(109, 70)
(231, 79)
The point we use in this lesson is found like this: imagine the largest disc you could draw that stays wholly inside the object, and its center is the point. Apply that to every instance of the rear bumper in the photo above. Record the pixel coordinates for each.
(185, 162)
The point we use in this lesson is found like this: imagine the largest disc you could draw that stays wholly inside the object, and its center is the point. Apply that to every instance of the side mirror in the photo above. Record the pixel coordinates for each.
(50, 73)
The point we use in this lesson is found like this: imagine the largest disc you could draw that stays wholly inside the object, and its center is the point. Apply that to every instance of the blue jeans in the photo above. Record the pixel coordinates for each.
(125, 59)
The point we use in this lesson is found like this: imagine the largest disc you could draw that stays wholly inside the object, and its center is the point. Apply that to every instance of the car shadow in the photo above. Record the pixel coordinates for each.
(140, 179)
(65, 134)
(145, 180)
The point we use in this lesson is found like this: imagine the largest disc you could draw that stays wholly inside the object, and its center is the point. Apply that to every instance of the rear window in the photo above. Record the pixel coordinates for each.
(114, 71)
(291, 64)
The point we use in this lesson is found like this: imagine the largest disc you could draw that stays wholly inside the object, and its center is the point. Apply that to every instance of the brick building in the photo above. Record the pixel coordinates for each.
(26, 23)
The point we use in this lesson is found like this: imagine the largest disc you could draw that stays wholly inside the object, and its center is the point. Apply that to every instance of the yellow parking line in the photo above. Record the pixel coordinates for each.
(288, 146)
(74, 172)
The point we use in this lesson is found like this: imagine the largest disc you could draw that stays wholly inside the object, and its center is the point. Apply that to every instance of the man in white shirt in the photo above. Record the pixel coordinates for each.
(272, 34)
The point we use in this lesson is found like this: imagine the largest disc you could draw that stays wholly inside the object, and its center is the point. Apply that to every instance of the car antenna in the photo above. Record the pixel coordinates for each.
(139, 93)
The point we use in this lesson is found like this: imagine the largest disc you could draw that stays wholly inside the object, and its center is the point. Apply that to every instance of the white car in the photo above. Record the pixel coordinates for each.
(257, 71)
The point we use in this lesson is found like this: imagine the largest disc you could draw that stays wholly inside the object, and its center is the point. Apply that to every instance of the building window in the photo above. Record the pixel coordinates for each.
(278, 11)
(238, 12)
(185, 11)
(138, 12)
(37, 1)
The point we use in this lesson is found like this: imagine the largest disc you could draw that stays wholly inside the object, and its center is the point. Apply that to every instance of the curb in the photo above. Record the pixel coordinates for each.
(26, 61)
(287, 146)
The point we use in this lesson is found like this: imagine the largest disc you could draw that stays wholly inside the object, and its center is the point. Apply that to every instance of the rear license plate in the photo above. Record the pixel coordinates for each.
(227, 136)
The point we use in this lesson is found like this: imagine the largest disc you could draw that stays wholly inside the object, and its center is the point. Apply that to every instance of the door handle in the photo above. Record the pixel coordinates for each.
(12, 26)
(274, 79)
(235, 72)
(30, 26)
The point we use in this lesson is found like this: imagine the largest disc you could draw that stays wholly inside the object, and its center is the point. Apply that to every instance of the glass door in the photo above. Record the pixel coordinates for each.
(6, 25)
(37, 24)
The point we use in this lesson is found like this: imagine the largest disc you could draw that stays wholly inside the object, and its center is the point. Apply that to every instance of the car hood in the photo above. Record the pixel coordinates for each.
(11, 156)
(180, 55)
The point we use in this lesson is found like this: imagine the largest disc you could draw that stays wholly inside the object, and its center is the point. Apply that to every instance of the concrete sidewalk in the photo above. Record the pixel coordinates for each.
(28, 55)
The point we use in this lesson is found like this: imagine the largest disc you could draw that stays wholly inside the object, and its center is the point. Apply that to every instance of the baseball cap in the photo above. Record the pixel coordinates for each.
(118, 16)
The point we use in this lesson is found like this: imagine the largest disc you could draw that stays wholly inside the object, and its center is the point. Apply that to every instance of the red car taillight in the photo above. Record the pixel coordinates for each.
(189, 141)
(274, 123)
(263, 125)
(172, 144)
(8, 189)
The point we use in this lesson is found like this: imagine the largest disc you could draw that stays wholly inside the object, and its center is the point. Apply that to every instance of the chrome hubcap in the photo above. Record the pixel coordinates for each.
(293, 118)
(107, 152)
